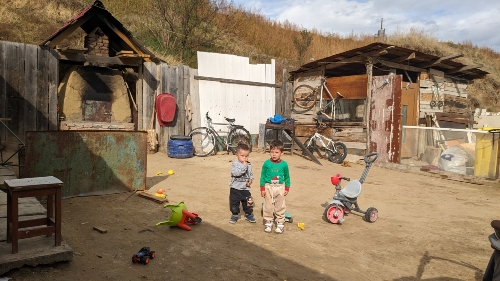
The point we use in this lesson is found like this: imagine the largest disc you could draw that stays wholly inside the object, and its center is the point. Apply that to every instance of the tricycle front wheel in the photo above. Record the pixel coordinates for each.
(334, 213)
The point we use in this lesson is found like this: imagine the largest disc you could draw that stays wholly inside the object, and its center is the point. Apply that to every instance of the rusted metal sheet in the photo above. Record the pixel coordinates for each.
(351, 87)
(385, 118)
(89, 162)
(96, 111)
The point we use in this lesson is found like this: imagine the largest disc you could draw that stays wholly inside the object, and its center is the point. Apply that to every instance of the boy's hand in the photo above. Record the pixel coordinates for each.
(249, 182)
(263, 193)
(286, 192)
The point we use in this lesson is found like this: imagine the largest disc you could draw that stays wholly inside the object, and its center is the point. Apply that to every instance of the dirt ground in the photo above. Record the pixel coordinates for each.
(428, 229)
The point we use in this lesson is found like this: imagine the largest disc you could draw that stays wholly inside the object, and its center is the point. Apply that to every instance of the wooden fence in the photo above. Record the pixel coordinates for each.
(28, 90)
(162, 78)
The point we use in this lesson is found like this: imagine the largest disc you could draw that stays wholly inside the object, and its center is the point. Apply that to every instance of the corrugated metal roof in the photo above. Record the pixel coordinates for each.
(385, 56)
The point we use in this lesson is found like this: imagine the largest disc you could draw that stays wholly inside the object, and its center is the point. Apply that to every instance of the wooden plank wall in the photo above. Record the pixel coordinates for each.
(29, 77)
(452, 92)
(164, 78)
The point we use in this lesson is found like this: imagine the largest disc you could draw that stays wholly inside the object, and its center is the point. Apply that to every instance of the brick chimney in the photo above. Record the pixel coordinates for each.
(97, 43)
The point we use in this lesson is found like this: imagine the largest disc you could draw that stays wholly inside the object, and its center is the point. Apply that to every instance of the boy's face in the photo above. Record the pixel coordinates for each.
(276, 154)
(242, 155)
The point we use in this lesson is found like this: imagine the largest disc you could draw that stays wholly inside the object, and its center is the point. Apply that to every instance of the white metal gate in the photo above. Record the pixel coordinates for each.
(236, 89)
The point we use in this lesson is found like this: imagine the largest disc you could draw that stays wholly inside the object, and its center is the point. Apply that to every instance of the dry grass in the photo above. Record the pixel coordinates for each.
(257, 37)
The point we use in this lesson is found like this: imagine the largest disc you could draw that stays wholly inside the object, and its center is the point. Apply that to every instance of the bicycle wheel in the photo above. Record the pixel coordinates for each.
(338, 152)
(304, 96)
(203, 141)
(238, 135)
(310, 144)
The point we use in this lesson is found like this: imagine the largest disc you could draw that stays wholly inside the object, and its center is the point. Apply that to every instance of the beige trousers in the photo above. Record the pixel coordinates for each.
(274, 203)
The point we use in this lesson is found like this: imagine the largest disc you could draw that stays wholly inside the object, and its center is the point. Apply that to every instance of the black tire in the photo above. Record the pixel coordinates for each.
(179, 137)
(134, 258)
(239, 135)
(203, 141)
(339, 153)
(290, 220)
(304, 96)
(310, 144)
(197, 220)
(152, 254)
(371, 215)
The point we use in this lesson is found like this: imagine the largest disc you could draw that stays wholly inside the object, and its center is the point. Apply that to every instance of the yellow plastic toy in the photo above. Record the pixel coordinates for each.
(170, 172)
(301, 225)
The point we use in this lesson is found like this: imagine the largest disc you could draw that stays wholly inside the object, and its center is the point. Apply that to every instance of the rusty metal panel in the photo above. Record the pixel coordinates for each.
(96, 111)
(351, 87)
(385, 118)
(89, 162)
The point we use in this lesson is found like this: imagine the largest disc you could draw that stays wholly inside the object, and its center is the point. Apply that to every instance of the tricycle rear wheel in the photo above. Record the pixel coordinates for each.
(371, 214)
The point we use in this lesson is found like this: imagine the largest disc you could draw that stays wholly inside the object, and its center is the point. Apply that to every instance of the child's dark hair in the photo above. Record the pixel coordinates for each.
(276, 144)
(242, 146)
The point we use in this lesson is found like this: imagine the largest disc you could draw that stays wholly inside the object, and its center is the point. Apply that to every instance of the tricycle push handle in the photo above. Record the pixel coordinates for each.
(368, 160)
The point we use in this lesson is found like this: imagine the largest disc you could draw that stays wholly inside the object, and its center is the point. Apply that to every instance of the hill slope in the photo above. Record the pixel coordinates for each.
(254, 36)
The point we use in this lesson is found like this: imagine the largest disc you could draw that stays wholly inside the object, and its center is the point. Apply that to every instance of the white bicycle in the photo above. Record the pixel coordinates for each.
(334, 151)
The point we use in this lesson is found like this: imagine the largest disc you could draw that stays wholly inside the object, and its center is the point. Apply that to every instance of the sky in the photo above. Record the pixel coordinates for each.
(477, 21)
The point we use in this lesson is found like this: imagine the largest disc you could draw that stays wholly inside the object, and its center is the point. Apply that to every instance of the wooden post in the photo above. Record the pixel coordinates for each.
(139, 98)
(369, 73)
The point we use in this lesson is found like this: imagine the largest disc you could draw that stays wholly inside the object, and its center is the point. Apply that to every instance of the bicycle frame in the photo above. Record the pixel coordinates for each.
(330, 104)
(319, 137)
(210, 125)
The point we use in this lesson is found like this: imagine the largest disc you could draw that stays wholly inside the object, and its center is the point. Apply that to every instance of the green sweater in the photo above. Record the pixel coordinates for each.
(271, 170)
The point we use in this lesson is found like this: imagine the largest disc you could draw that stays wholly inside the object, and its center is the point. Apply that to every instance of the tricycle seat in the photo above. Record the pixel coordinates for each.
(352, 190)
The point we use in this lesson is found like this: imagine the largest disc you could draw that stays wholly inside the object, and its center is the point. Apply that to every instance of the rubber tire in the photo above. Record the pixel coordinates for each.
(179, 137)
(338, 157)
(310, 146)
(298, 93)
(290, 220)
(180, 148)
(368, 214)
(152, 254)
(197, 220)
(146, 260)
(135, 259)
(208, 136)
(237, 135)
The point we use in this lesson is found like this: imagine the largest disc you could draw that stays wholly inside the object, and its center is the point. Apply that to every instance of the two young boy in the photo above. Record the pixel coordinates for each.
(274, 186)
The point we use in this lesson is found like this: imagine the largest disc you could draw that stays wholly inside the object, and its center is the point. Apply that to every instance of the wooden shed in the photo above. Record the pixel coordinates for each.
(383, 88)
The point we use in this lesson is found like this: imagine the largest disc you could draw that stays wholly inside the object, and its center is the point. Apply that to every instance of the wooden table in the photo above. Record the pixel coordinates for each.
(32, 187)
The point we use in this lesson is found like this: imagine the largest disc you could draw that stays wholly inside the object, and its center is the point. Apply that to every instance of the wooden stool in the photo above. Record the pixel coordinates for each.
(31, 187)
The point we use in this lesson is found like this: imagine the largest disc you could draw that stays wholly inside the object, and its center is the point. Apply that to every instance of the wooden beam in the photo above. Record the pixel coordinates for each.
(404, 58)
(399, 66)
(70, 29)
(437, 61)
(456, 120)
(463, 68)
(99, 59)
(360, 58)
(232, 81)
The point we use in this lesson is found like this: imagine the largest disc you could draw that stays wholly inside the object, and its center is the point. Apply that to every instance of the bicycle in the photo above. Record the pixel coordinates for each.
(205, 138)
(305, 97)
(334, 151)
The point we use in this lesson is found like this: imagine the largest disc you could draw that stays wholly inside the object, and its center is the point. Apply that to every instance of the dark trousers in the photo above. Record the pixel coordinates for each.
(236, 197)
(492, 272)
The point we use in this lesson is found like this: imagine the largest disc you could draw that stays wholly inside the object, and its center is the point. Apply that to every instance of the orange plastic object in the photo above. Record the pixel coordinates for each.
(165, 109)
(187, 217)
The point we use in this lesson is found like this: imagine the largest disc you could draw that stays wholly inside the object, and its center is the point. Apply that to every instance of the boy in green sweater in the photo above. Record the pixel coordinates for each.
(274, 186)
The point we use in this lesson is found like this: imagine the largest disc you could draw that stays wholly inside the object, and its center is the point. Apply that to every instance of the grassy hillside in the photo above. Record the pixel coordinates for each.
(255, 36)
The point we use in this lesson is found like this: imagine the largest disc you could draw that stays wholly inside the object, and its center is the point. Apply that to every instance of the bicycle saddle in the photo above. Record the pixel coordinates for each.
(352, 190)
(230, 120)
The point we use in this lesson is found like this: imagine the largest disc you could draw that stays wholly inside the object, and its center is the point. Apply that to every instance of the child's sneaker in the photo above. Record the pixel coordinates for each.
(268, 227)
(280, 228)
(250, 218)
(233, 219)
